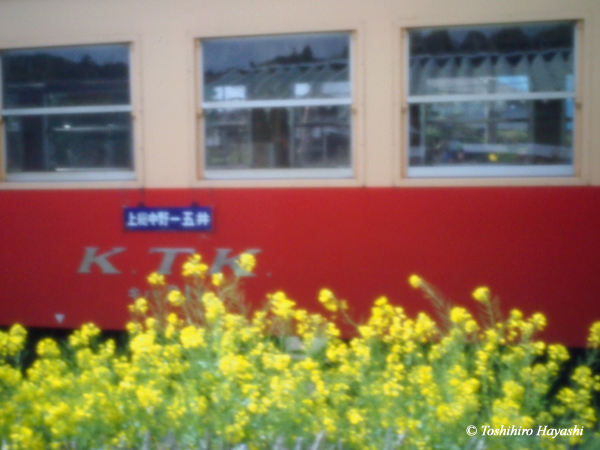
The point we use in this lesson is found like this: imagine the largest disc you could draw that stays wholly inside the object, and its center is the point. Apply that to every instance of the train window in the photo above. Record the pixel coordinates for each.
(277, 107)
(67, 113)
(491, 101)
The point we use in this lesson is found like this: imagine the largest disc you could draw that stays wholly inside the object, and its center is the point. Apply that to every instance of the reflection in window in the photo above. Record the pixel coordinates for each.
(496, 97)
(67, 109)
(498, 132)
(41, 143)
(229, 92)
(277, 102)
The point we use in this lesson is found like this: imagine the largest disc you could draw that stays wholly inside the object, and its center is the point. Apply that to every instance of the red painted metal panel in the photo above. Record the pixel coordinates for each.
(538, 248)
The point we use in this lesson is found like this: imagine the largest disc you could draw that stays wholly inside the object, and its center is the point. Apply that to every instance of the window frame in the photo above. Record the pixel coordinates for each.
(284, 177)
(80, 178)
(579, 171)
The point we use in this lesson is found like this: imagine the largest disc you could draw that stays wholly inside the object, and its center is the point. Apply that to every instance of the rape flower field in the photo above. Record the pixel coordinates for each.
(202, 372)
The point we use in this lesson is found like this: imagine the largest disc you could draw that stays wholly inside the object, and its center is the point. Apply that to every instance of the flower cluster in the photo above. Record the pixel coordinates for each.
(199, 371)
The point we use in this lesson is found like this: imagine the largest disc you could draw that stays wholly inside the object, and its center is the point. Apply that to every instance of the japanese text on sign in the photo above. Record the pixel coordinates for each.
(193, 218)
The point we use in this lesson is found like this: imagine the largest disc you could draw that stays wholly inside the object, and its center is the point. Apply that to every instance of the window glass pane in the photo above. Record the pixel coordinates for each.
(66, 76)
(280, 67)
(492, 59)
(48, 143)
(516, 132)
(317, 137)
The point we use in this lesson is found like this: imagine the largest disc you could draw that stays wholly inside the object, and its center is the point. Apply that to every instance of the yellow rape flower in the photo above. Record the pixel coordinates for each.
(513, 391)
(282, 306)
(354, 416)
(594, 337)
(415, 281)
(84, 336)
(328, 300)
(217, 279)
(381, 301)
(173, 319)
(151, 323)
(156, 279)
(193, 267)
(15, 339)
(425, 328)
(143, 343)
(213, 305)
(515, 315)
(24, 438)
(148, 397)
(140, 305)
(558, 352)
(275, 361)
(458, 315)
(133, 328)
(48, 348)
(538, 320)
(329, 425)
(176, 298)
(482, 294)
(235, 366)
(461, 317)
(192, 337)
(246, 261)
(366, 331)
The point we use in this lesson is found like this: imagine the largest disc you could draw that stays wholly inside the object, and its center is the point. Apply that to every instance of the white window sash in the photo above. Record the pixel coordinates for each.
(88, 174)
(249, 104)
(66, 110)
(489, 171)
(457, 98)
(275, 174)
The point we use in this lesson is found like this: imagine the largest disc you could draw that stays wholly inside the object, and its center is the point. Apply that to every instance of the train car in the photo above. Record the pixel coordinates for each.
(346, 143)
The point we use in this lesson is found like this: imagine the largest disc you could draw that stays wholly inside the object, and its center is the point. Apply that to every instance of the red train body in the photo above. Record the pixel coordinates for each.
(66, 258)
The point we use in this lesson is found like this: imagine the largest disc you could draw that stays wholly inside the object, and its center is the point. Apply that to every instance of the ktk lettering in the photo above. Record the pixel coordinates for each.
(93, 257)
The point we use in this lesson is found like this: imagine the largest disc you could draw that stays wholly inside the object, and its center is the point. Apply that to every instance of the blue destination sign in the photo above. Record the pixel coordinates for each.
(192, 218)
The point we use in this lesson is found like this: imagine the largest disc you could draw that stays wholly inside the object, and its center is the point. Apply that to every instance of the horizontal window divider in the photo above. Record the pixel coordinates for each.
(499, 170)
(81, 175)
(55, 110)
(249, 104)
(278, 174)
(490, 54)
(456, 98)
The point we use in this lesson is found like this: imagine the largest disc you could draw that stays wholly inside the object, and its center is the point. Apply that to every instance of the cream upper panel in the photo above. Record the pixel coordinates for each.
(164, 37)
